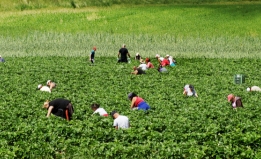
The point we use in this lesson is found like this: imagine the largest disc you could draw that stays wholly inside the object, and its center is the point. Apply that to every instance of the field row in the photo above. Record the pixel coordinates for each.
(80, 45)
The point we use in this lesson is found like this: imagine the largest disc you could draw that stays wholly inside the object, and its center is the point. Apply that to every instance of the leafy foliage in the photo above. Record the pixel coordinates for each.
(176, 127)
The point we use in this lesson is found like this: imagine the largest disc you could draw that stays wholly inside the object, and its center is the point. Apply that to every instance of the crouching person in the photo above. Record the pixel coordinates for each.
(235, 101)
(59, 107)
(120, 121)
(96, 108)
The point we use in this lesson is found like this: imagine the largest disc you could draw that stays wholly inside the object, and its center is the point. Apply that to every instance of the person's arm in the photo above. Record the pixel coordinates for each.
(135, 72)
(129, 54)
(49, 111)
(115, 124)
(119, 54)
(51, 86)
(132, 102)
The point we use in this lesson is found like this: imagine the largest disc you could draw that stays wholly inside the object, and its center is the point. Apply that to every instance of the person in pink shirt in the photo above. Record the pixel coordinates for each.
(148, 63)
(96, 108)
(235, 101)
(137, 102)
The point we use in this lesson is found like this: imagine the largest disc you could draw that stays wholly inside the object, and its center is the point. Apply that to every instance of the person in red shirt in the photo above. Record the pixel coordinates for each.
(137, 102)
(148, 63)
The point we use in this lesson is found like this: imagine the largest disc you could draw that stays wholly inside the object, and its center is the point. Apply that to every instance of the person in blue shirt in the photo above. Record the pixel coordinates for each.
(2, 59)
(92, 54)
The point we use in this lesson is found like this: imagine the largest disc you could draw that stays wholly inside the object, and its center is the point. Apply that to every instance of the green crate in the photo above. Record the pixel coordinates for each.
(239, 78)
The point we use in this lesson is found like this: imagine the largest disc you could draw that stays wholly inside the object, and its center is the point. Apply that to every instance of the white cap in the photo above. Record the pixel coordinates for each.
(0, 56)
(39, 86)
(137, 54)
(167, 55)
(157, 55)
(48, 81)
(248, 89)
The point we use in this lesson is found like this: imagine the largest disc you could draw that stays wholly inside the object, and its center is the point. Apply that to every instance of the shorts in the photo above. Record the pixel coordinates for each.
(143, 106)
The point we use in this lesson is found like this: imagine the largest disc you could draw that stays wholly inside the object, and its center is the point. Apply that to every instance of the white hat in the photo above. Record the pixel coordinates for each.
(167, 55)
(39, 86)
(157, 55)
(0, 56)
(137, 54)
(48, 81)
(248, 89)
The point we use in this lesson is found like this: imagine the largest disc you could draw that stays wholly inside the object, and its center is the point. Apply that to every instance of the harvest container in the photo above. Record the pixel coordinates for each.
(239, 78)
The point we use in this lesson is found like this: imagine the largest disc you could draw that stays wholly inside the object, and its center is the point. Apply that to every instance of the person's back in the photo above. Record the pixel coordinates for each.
(45, 89)
(123, 52)
(101, 111)
(143, 66)
(122, 122)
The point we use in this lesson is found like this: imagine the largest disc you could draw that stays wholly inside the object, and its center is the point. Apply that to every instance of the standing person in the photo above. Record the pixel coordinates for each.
(189, 90)
(148, 63)
(123, 53)
(96, 108)
(2, 59)
(235, 101)
(51, 84)
(137, 57)
(59, 107)
(43, 88)
(137, 71)
(120, 121)
(254, 88)
(92, 54)
(137, 102)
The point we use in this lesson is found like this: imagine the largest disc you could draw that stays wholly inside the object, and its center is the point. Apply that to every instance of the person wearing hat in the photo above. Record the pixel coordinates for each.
(172, 62)
(96, 108)
(137, 102)
(137, 57)
(2, 59)
(123, 53)
(92, 54)
(148, 63)
(43, 88)
(137, 71)
(59, 107)
(120, 121)
(159, 58)
(51, 84)
(142, 65)
(235, 101)
(189, 90)
(254, 88)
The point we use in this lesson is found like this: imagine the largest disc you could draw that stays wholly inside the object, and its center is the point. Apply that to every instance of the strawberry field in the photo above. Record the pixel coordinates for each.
(210, 42)
(175, 127)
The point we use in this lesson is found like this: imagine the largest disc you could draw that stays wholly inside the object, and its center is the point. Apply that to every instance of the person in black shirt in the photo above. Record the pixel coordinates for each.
(137, 71)
(59, 107)
(123, 53)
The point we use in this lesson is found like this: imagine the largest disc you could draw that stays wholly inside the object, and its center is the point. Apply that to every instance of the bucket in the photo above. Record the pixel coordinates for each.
(239, 78)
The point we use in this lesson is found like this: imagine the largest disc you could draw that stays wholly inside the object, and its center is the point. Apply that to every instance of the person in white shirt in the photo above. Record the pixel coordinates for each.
(158, 57)
(189, 90)
(51, 84)
(254, 88)
(171, 60)
(142, 65)
(43, 88)
(96, 108)
(120, 121)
